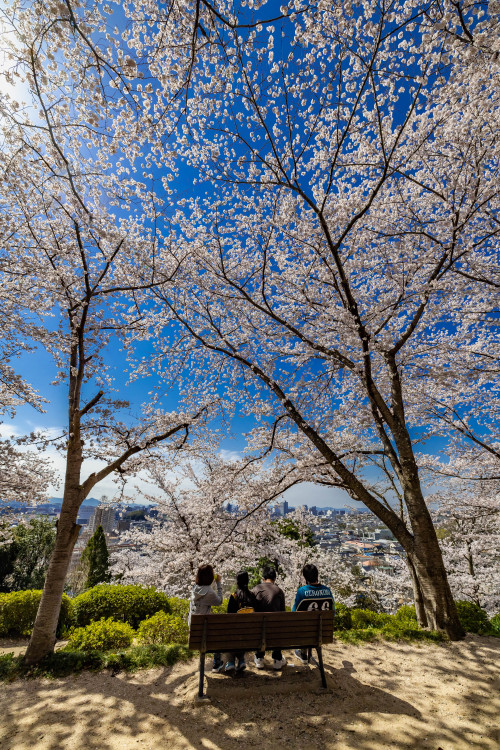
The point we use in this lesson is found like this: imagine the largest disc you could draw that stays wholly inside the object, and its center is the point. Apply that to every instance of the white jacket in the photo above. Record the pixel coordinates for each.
(203, 598)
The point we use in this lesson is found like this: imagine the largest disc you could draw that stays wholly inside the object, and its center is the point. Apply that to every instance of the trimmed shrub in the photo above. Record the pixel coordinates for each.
(221, 609)
(18, 612)
(179, 607)
(406, 614)
(472, 617)
(495, 624)
(130, 604)
(365, 618)
(342, 619)
(103, 635)
(162, 629)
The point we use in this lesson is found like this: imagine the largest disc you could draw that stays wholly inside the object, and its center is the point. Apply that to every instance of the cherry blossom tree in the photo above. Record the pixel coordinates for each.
(467, 511)
(70, 236)
(24, 477)
(470, 551)
(344, 220)
(350, 159)
(194, 526)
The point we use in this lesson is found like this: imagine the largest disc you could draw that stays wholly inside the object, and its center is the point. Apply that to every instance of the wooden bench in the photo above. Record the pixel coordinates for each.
(258, 631)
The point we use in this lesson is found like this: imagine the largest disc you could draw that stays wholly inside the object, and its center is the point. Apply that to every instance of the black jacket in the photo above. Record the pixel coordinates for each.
(240, 599)
(270, 598)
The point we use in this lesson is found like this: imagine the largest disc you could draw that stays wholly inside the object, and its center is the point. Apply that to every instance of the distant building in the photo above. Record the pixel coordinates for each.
(102, 516)
(85, 514)
(281, 509)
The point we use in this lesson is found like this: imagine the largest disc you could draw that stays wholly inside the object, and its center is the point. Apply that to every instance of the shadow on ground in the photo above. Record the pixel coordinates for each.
(379, 696)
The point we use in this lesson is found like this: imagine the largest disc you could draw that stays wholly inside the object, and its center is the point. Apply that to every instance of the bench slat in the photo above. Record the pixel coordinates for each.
(313, 615)
(271, 627)
(254, 645)
(283, 630)
(232, 632)
(288, 636)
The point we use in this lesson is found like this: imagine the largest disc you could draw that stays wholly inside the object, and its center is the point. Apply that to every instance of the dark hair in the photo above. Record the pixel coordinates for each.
(205, 575)
(242, 579)
(269, 572)
(310, 573)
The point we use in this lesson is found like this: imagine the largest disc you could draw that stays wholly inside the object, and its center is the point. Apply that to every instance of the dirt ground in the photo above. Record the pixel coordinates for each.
(382, 695)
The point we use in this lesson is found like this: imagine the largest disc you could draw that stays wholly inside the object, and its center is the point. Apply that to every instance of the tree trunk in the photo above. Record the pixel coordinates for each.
(434, 602)
(440, 610)
(43, 637)
(417, 596)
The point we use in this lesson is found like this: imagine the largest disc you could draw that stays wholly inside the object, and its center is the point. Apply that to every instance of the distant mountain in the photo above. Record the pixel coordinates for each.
(88, 501)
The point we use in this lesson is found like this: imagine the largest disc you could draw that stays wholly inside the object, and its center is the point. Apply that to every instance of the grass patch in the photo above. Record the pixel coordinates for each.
(388, 633)
(63, 663)
(378, 626)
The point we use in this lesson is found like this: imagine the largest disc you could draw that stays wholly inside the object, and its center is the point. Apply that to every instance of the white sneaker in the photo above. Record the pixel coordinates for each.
(259, 663)
(279, 663)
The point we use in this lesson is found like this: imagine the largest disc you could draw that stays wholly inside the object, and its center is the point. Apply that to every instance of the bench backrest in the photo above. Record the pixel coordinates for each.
(257, 631)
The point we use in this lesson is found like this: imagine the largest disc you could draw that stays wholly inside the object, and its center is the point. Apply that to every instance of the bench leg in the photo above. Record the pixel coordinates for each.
(202, 675)
(321, 667)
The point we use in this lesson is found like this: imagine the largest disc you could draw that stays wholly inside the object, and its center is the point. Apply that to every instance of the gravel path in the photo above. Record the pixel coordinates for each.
(381, 695)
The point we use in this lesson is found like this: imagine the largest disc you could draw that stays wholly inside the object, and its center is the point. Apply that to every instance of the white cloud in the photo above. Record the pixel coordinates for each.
(8, 431)
(230, 455)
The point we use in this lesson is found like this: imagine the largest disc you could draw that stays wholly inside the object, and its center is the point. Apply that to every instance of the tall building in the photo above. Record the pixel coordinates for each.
(281, 508)
(102, 516)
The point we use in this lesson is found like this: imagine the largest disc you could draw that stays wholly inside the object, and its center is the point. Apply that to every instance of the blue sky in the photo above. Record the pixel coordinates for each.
(39, 370)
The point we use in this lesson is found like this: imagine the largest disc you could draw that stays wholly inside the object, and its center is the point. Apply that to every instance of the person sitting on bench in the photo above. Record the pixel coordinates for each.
(269, 598)
(311, 596)
(242, 600)
(203, 598)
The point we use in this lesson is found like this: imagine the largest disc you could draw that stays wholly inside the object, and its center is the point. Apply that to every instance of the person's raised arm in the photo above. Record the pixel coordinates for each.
(214, 598)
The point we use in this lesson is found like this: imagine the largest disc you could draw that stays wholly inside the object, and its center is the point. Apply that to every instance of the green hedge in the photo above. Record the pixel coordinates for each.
(18, 612)
(473, 618)
(221, 609)
(342, 619)
(162, 629)
(495, 624)
(366, 618)
(130, 604)
(406, 614)
(179, 607)
(103, 635)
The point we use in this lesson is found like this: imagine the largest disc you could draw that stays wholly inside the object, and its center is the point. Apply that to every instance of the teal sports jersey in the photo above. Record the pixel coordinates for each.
(311, 596)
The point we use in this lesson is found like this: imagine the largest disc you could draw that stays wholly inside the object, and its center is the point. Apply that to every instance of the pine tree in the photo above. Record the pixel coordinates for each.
(96, 556)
